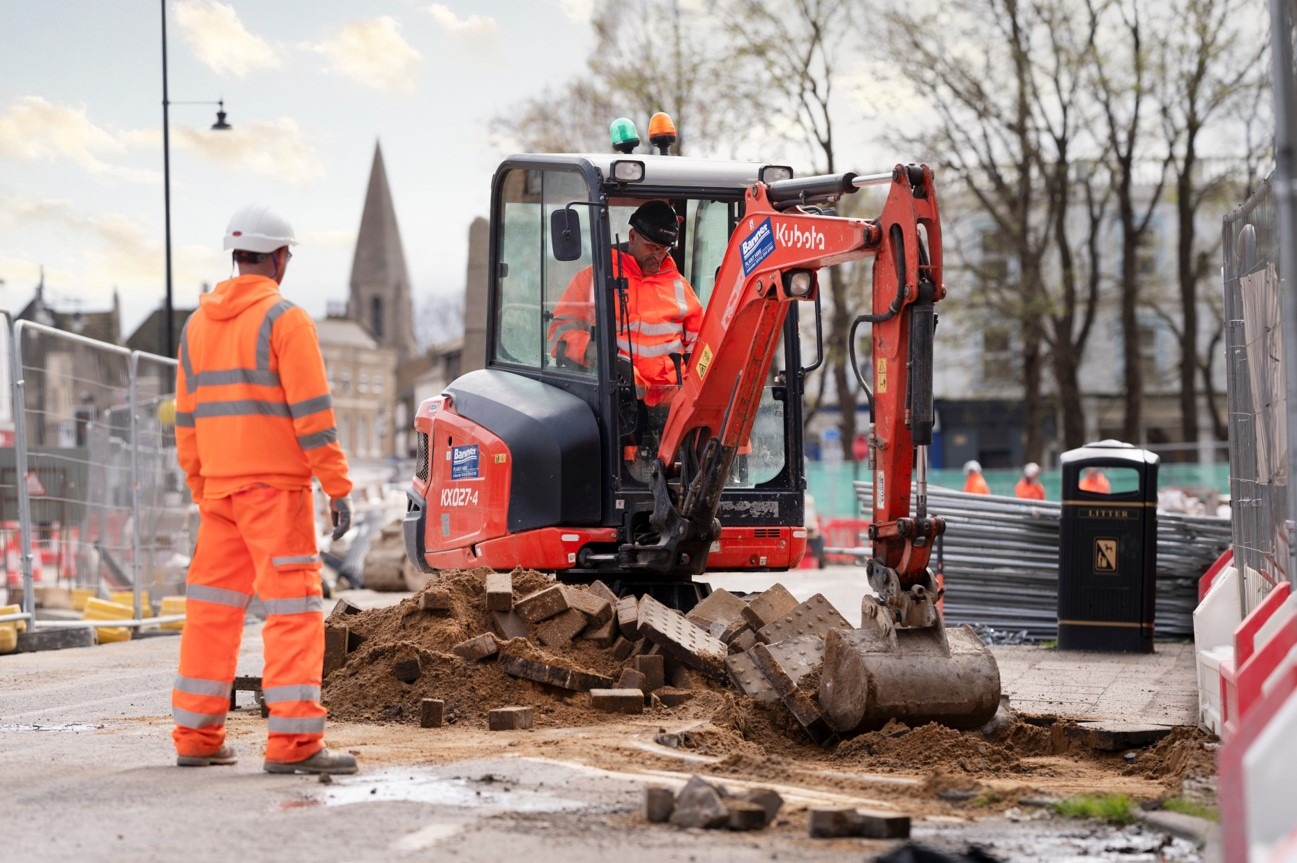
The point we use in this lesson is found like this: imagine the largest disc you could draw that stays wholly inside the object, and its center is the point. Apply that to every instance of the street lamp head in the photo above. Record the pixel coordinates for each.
(220, 125)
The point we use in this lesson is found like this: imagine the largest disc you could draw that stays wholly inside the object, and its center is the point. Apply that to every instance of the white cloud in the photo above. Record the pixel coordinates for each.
(277, 149)
(579, 11)
(219, 40)
(473, 27)
(374, 53)
(34, 128)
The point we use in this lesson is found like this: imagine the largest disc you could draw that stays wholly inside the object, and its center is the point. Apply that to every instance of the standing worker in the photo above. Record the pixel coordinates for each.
(254, 422)
(974, 482)
(1029, 487)
(1094, 480)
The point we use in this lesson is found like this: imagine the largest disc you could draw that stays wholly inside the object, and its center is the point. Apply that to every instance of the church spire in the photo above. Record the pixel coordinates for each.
(380, 284)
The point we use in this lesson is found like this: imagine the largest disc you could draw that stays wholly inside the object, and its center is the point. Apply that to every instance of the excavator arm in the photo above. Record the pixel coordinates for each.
(772, 260)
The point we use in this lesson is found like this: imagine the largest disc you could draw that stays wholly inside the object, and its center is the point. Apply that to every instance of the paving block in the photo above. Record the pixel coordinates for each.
(799, 656)
(768, 799)
(799, 704)
(768, 606)
(509, 719)
(617, 700)
(748, 679)
(55, 639)
(1115, 736)
(344, 607)
(476, 649)
(680, 640)
(407, 670)
(499, 591)
(553, 674)
(744, 815)
(680, 677)
(699, 804)
(669, 696)
(604, 635)
(734, 630)
(542, 605)
(632, 679)
(745, 640)
(654, 670)
(598, 588)
(508, 625)
(622, 648)
(659, 803)
(354, 640)
(435, 600)
(558, 631)
(335, 649)
(720, 606)
(431, 711)
(627, 611)
(596, 609)
(835, 823)
(814, 616)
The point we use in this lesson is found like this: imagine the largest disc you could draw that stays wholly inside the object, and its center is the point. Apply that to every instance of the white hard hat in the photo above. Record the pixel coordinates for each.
(1031, 470)
(972, 466)
(257, 228)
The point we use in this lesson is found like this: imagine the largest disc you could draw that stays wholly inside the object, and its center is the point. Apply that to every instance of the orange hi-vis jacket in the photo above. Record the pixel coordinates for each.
(975, 483)
(1029, 490)
(252, 396)
(663, 313)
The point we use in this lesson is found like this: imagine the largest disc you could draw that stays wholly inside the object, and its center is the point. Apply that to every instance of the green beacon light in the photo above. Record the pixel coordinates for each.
(625, 137)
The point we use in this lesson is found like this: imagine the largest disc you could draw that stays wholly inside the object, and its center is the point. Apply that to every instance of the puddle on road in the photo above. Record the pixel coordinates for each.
(69, 726)
(413, 786)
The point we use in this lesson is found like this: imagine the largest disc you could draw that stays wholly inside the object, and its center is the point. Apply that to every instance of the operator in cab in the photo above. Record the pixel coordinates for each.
(659, 319)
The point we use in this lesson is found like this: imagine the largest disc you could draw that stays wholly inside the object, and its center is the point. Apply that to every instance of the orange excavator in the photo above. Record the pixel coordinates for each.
(536, 462)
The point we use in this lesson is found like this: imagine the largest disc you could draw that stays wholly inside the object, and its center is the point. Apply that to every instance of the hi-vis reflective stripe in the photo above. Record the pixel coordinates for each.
(190, 719)
(264, 333)
(292, 692)
(647, 329)
(317, 440)
(184, 420)
(295, 724)
(311, 406)
(199, 686)
(218, 596)
(303, 605)
(675, 346)
(681, 303)
(290, 559)
(255, 377)
(241, 408)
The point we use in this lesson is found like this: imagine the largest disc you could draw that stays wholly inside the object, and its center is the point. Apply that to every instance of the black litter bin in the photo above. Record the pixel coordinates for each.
(1107, 561)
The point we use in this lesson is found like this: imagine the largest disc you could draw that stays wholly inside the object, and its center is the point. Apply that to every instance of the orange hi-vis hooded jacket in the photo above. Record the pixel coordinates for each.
(664, 318)
(252, 396)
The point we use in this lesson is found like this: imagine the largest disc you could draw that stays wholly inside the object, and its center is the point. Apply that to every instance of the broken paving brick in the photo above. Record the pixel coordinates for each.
(720, 606)
(836, 823)
(744, 816)
(602, 636)
(654, 670)
(542, 605)
(598, 588)
(617, 700)
(815, 616)
(596, 609)
(669, 696)
(627, 612)
(632, 679)
(476, 649)
(509, 719)
(436, 600)
(745, 640)
(552, 674)
(767, 798)
(799, 704)
(431, 711)
(699, 804)
(659, 803)
(770, 605)
(344, 608)
(499, 591)
(622, 648)
(680, 640)
(407, 670)
(508, 625)
(558, 631)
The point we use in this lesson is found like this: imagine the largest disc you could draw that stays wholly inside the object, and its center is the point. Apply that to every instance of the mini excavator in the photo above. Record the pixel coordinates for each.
(536, 462)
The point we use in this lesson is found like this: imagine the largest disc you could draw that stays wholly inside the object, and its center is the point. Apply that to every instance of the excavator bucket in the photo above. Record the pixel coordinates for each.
(915, 675)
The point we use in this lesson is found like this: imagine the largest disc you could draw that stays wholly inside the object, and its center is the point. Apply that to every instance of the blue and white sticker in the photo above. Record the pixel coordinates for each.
(463, 462)
(757, 246)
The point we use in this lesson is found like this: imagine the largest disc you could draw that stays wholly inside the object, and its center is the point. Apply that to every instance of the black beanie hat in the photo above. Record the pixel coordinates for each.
(657, 222)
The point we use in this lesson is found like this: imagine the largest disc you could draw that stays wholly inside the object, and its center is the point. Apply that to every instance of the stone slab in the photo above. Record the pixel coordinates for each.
(681, 640)
(799, 704)
(748, 679)
(815, 616)
(552, 674)
(768, 606)
(720, 606)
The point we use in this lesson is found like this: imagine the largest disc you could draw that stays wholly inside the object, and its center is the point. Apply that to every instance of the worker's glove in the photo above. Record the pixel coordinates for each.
(340, 510)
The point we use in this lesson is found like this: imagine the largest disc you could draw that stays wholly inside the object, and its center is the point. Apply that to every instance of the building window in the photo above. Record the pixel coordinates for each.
(362, 435)
(999, 359)
(378, 384)
(993, 266)
(376, 317)
(1150, 357)
(1146, 256)
(363, 385)
(346, 381)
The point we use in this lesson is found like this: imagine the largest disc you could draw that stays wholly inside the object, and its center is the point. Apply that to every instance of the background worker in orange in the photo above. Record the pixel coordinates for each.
(1094, 480)
(663, 314)
(254, 422)
(974, 482)
(1029, 487)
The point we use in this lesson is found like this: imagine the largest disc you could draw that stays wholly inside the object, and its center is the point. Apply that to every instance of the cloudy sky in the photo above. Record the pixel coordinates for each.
(309, 87)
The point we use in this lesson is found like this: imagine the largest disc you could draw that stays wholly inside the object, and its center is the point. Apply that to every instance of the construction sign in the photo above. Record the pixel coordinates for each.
(35, 487)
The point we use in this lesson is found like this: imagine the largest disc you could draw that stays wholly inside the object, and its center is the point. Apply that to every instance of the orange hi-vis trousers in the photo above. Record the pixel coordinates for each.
(260, 540)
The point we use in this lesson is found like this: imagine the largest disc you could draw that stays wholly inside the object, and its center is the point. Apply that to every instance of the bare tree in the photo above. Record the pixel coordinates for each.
(438, 319)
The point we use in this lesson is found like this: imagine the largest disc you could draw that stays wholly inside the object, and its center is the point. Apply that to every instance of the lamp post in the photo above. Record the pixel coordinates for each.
(168, 336)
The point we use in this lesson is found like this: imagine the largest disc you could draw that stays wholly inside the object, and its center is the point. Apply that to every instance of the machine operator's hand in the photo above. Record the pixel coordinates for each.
(340, 510)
